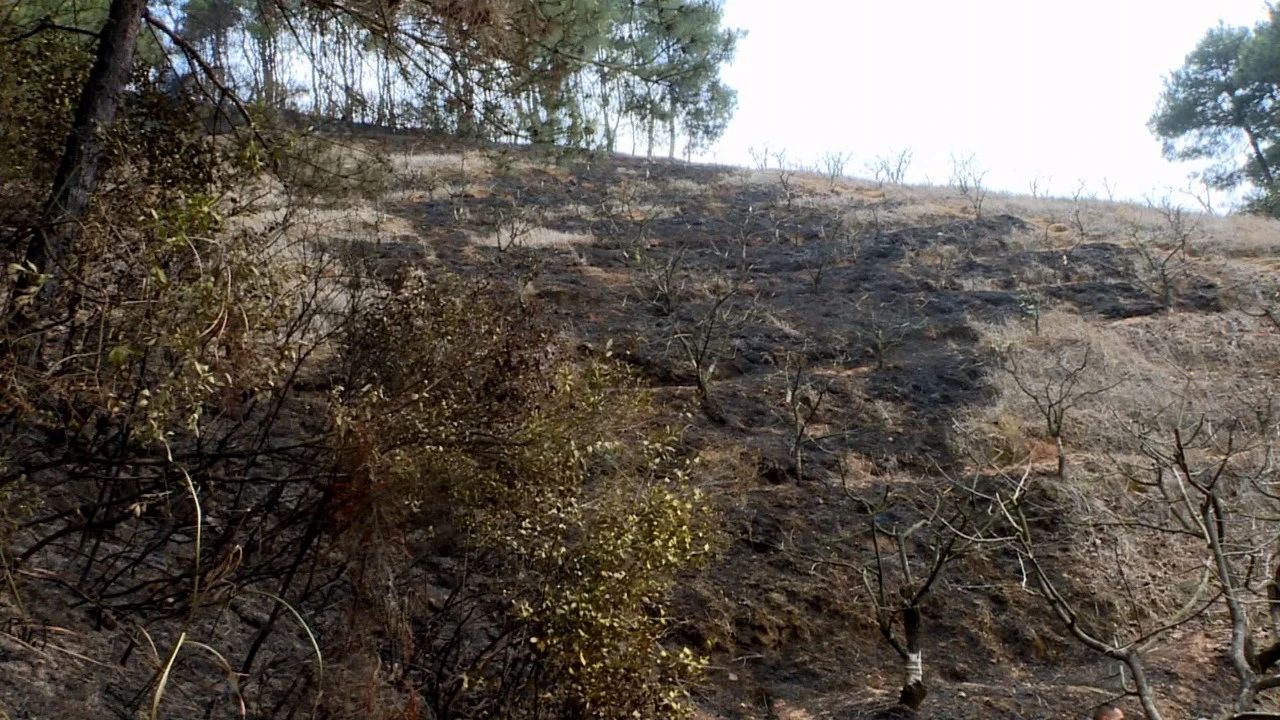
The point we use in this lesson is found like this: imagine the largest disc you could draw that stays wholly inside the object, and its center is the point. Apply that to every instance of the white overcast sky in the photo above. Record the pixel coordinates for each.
(1031, 88)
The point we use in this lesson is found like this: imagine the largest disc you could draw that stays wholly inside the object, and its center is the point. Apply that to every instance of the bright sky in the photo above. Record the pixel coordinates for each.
(1059, 91)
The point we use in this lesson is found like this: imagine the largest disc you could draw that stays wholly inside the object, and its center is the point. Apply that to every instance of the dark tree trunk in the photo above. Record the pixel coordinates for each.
(671, 136)
(1062, 453)
(267, 56)
(77, 175)
(1261, 158)
(913, 689)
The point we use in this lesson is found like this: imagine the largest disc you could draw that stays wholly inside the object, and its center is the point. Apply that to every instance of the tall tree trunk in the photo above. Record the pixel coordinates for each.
(605, 120)
(386, 90)
(267, 52)
(77, 174)
(1263, 166)
(671, 131)
(313, 62)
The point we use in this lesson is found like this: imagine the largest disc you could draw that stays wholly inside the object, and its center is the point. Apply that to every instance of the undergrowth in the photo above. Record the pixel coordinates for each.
(245, 454)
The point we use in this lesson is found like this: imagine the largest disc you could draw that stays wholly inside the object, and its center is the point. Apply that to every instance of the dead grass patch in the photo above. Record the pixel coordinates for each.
(469, 162)
(533, 237)
(1210, 365)
(1240, 236)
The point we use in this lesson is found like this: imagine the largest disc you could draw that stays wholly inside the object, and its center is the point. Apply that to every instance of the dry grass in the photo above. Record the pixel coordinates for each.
(572, 211)
(473, 163)
(1202, 365)
(533, 237)
(1241, 236)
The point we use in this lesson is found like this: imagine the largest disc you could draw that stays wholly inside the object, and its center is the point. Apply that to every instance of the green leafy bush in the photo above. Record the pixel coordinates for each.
(572, 520)
(504, 520)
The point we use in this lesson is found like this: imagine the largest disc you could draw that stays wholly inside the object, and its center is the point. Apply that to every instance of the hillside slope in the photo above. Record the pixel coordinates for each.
(869, 315)
(858, 369)
(830, 348)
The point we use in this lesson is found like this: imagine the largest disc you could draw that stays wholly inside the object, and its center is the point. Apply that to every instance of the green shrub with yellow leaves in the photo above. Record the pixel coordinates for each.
(566, 514)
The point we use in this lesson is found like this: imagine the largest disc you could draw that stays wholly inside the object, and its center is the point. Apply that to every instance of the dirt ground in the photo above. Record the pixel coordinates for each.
(875, 291)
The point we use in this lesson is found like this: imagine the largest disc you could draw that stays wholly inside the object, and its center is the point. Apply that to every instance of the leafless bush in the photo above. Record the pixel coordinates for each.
(1056, 371)
(663, 283)
(1080, 200)
(836, 241)
(832, 164)
(865, 223)
(923, 540)
(1011, 498)
(1217, 483)
(942, 261)
(1204, 488)
(708, 338)
(891, 169)
(761, 156)
(1173, 521)
(1202, 194)
(884, 330)
(513, 223)
(786, 178)
(1109, 189)
(803, 396)
(1162, 261)
(968, 179)
(629, 212)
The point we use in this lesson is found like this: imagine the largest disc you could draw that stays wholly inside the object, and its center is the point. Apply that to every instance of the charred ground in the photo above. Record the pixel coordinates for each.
(830, 352)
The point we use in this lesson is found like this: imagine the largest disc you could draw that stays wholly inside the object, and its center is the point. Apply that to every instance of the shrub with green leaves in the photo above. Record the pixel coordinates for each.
(506, 521)
(467, 434)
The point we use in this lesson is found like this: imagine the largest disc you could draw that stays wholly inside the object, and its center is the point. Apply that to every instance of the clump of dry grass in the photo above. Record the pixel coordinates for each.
(472, 163)
(1241, 236)
(1209, 365)
(1049, 384)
